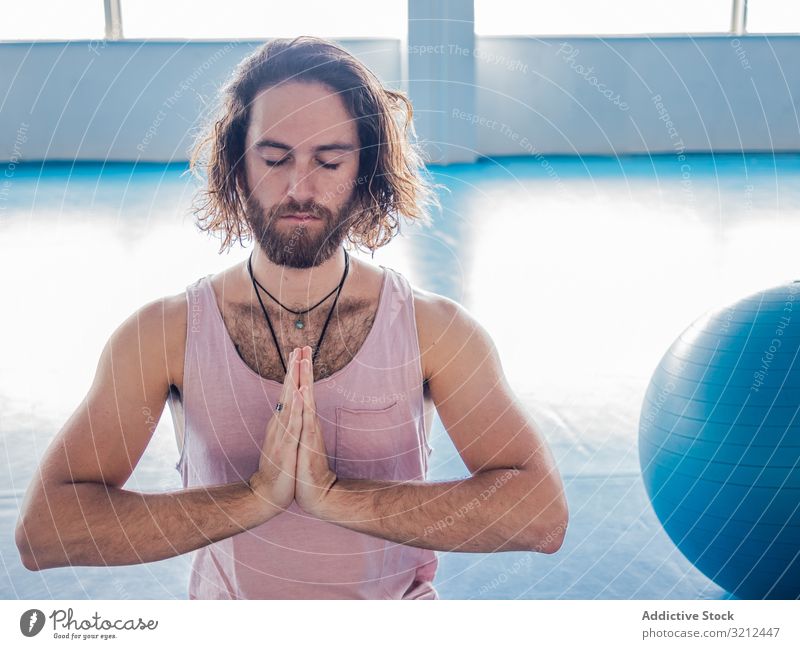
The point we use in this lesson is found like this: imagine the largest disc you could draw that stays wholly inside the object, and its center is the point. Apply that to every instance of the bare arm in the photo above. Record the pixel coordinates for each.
(514, 499)
(90, 524)
(489, 512)
(75, 511)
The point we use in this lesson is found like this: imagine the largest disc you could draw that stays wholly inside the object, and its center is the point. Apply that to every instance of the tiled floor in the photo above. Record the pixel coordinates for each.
(583, 278)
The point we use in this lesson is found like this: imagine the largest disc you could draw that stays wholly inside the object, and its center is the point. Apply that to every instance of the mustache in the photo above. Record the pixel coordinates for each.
(314, 209)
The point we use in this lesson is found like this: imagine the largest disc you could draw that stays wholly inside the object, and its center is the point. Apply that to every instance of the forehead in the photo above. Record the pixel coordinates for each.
(301, 115)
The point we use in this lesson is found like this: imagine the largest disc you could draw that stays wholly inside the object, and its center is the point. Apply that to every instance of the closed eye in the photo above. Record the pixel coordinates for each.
(278, 163)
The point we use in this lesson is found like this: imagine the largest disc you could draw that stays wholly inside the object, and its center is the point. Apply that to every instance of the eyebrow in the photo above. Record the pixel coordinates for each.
(333, 146)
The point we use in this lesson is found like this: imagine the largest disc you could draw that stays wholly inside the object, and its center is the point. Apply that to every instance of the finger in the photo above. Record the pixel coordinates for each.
(301, 368)
(298, 354)
(311, 437)
(280, 419)
(307, 371)
(284, 395)
(310, 369)
(303, 438)
(289, 385)
(280, 427)
(291, 433)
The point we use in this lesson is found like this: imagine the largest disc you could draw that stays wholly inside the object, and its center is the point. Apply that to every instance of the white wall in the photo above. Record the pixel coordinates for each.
(721, 93)
(141, 100)
(125, 100)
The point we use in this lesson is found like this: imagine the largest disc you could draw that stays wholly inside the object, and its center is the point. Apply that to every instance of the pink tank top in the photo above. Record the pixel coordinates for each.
(371, 414)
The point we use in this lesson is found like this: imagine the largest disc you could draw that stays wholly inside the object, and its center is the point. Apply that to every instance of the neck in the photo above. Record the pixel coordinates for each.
(297, 287)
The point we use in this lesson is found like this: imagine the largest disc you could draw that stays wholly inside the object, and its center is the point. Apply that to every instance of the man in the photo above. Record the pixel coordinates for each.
(302, 382)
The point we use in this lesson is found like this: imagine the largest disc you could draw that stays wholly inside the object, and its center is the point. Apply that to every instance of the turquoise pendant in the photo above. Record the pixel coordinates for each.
(298, 324)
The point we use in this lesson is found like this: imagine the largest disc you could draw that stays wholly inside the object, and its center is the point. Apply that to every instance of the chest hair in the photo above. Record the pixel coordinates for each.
(349, 326)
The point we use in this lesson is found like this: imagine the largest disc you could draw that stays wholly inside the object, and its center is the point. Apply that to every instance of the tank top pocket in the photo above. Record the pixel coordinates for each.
(366, 445)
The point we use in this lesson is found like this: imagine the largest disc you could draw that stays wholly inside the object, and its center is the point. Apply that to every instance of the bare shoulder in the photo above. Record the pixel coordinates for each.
(175, 319)
(443, 327)
(161, 326)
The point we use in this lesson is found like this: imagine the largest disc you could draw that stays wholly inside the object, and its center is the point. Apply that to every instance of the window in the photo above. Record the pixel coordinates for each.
(773, 16)
(244, 19)
(48, 20)
(562, 17)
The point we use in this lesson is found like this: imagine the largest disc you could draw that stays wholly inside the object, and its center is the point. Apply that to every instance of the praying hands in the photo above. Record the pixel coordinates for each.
(294, 461)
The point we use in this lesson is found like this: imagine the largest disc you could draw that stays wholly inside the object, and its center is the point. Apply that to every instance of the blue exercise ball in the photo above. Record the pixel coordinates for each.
(719, 444)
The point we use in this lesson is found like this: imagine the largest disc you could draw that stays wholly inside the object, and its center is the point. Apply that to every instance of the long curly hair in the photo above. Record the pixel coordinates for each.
(392, 179)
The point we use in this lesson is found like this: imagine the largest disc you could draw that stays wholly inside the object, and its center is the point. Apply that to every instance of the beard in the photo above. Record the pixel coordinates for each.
(301, 245)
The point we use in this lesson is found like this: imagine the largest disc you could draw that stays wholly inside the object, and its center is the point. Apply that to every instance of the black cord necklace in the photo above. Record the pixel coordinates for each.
(298, 323)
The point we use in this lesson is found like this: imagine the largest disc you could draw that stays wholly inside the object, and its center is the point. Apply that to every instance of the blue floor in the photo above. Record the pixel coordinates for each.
(582, 270)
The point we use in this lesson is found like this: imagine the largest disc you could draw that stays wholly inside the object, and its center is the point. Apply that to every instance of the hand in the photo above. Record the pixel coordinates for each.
(314, 477)
(274, 480)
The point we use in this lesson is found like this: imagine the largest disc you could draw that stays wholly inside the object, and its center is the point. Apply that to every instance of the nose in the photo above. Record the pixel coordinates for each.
(301, 183)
